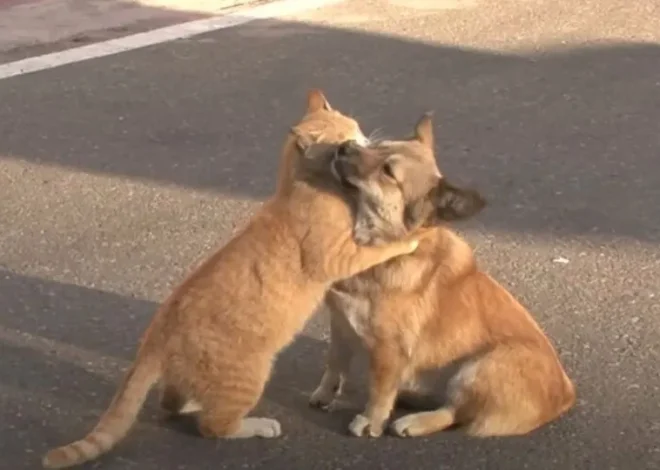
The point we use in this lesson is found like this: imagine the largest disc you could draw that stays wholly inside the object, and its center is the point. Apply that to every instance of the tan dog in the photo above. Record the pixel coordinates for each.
(212, 343)
(433, 308)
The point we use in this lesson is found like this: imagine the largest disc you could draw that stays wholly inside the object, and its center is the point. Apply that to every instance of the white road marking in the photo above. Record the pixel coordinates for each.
(157, 36)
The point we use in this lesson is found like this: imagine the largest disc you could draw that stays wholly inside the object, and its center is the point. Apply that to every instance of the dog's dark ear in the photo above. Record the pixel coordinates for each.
(443, 203)
(454, 203)
(317, 101)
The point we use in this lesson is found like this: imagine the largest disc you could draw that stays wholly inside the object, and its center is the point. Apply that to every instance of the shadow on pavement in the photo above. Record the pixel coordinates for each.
(63, 348)
(563, 142)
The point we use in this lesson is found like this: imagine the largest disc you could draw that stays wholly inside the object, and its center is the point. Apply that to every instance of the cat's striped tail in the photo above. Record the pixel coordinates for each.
(115, 422)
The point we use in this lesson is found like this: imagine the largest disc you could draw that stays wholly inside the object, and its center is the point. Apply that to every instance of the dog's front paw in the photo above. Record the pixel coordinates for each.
(405, 426)
(361, 426)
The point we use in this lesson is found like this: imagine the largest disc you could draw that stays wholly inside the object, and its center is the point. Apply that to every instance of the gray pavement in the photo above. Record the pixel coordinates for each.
(117, 175)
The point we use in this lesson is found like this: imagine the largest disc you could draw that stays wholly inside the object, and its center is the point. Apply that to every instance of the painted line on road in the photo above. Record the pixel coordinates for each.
(157, 36)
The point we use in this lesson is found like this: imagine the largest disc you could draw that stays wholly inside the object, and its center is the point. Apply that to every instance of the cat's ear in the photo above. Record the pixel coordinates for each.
(317, 101)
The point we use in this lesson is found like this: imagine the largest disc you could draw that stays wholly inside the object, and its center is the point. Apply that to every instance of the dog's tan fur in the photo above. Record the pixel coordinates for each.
(213, 341)
(433, 308)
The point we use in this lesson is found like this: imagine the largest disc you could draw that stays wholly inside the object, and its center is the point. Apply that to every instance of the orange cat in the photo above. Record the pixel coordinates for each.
(213, 341)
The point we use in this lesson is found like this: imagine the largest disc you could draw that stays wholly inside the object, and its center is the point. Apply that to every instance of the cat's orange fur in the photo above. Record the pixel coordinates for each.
(213, 341)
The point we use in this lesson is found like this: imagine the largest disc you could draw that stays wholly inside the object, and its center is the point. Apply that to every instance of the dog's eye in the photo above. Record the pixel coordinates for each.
(388, 171)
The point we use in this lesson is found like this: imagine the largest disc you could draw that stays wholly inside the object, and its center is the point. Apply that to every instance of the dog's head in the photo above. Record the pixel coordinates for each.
(400, 187)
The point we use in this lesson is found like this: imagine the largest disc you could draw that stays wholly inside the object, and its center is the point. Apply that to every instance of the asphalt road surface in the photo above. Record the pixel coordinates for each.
(119, 174)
